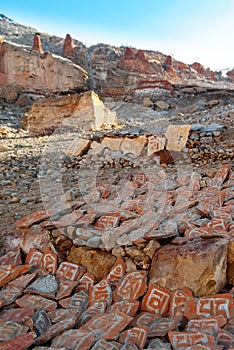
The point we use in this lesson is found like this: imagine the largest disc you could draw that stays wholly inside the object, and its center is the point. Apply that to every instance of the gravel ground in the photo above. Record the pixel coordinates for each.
(21, 163)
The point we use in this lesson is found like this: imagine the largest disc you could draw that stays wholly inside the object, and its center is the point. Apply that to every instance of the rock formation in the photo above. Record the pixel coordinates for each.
(168, 66)
(230, 75)
(45, 72)
(181, 66)
(199, 68)
(136, 62)
(37, 43)
(84, 111)
(141, 55)
(69, 48)
(113, 71)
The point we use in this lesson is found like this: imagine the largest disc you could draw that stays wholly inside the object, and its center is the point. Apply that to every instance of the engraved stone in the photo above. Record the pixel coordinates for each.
(45, 286)
(41, 321)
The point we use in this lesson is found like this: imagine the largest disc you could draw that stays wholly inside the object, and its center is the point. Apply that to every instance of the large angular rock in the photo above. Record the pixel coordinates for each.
(78, 147)
(134, 146)
(112, 143)
(177, 136)
(91, 110)
(200, 264)
(10, 93)
(96, 262)
(83, 111)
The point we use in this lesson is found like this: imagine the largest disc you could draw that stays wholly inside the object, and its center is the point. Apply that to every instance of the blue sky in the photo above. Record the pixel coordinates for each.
(190, 30)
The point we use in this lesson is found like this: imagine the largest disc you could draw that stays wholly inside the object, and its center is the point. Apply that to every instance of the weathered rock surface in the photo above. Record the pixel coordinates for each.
(35, 71)
(78, 147)
(168, 66)
(85, 111)
(199, 68)
(10, 93)
(230, 74)
(202, 265)
(97, 263)
(177, 137)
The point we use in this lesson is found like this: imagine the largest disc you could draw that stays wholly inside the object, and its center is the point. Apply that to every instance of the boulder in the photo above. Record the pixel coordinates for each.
(92, 111)
(162, 105)
(83, 111)
(10, 93)
(134, 146)
(199, 264)
(96, 262)
(177, 136)
(78, 147)
(192, 108)
(147, 102)
(112, 143)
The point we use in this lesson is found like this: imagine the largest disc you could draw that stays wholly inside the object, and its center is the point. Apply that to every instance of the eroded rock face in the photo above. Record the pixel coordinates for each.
(36, 71)
(84, 111)
(168, 66)
(230, 74)
(37, 43)
(200, 264)
(136, 62)
(199, 68)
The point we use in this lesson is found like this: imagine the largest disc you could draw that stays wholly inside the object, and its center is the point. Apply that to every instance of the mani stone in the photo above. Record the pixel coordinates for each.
(47, 285)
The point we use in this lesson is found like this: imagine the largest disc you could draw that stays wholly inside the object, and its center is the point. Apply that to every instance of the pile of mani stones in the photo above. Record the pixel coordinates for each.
(46, 305)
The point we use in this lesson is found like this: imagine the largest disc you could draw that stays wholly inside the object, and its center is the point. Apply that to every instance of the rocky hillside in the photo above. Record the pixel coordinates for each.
(115, 71)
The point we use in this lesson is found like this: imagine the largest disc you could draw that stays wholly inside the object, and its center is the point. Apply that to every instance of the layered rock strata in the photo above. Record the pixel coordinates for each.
(39, 72)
